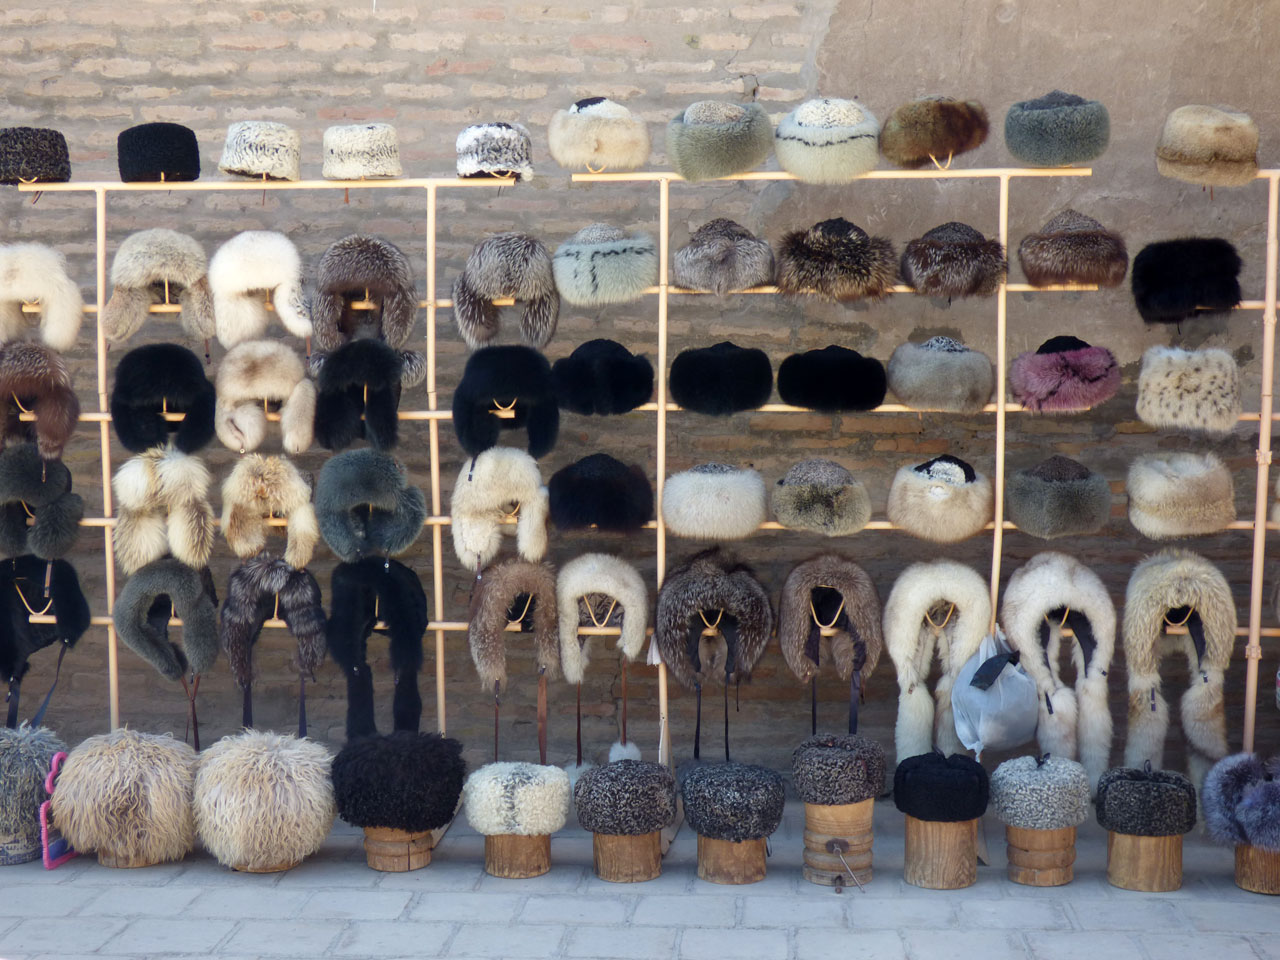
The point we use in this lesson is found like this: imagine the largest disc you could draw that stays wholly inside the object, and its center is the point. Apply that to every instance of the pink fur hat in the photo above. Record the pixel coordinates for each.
(1065, 374)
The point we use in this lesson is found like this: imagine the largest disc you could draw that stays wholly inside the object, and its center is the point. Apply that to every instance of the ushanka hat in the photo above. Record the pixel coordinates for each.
(599, 590)
(497, 485)
(1180, 494)
(34, 273)
(600, 491)
(940, 374)
(1058, 497)
(954, 260)
(598, 134)
(944, 500)
(834, 379)
(722, 256)
(1064, 375)
(1146, 802)
(259, 488)
(820, 496)
(366, 506)
(506, 265)
(601, 264)
(1195, 390)
(35, 378)
(1041, 793)
(933, 129)
(162, 506)
(713, 501)
(833, 771)
(153, 264)
(23, 590)
(1057, 130)
(358, 394)
(152, 152)
(252, 374)
(33, 154)
(1211, 146)
(1073, 248)
(142, 623)
(514, 591)
(506, 378)
(602, 377)
(262, 149)
(40, 490)
(495, 149)
(399, 781)
(721, 379)
(1176, 279)
(733, 801)
(827, 141)
(361, 151)
(712, 138)
(836, 260)
(248, 270)
(941, 789)
(156, 379)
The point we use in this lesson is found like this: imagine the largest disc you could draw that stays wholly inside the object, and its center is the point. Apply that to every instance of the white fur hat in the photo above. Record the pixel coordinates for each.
(598, 134)
(1189, 390)
(601, 264)
(597, 589)
(246, 270)
(147, 263)
(500, 483)
(34, 273)
(714, 501)
(828, 141)
(361, 151)
(943, 500)
(526, 799)
(256, 371)
(257, 148)
(1180, 494)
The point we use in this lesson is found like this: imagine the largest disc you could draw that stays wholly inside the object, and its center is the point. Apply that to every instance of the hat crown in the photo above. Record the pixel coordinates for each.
(714, 111)
(944, 345)
(947, 469)
(828, 112)
(1062, 344)
(1053, 100)
(1071, 221)
(598, 233)
(1058, 469)
(955, 232)
(600, 107)
(714, 467)
(838, 227)
(817, 472)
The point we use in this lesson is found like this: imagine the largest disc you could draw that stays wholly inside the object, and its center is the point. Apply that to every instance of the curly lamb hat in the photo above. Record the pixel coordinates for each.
(954, 260)
(1058, 497)
(599, 134)
(602, 377)
(834, 771)
(366, 506)
(159, 266)
(1211, 146)
(1189, 390)
(712, 138)
(514, 591)
(836, 260)
(158, 152)
(933, 130)
(248, 270)
(1041, 793)
(1073, 248)
(259, 488)
(827, 141)
(142, 617)
(162, 506)
(1145, 802)
(820, 496)
(941, 789)
(599, 590)
(506, 265)
(511, 378)
(625, 798)
(252, 374)
(262, 149)
(941, 374)
(1057, 130)
(1173, 280)
(33, 155)
(714, 501)
(1180, 494)
(39, 490)
(1064, 375)
(500, 484)
(601, 264)
(733, 801)
(722, 256)
(944, 500)
(495, 149)
(361, 151)
(399, 781)
(37, 274)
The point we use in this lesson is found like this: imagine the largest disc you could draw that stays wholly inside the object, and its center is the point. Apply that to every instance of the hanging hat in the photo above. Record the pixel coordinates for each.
(506, 265)
(34, 273)
(251, 268)
(35, 378)
(262, 149)
(833, 771)
(954, 260)
(827, 141)
(1224, 788)
(1176, 279)
(253, 373)
(596, 589)
(598, 134)
(508, 378)
(500, 598)
(26, 759)
(1211, 146)
(721, 379)
(142, 623)
(1058, 497)
(830, 591)
(713, 501)
(820, 496)
(33, 154)
(1064, 375)
(1180, 494)
(834, 379)
(22, 592)
(944, 500)
(259, 488)
(361, 151)
(1189, 390)
(147, 263)
(156, 379)
(601, 491)
(399, 781)
(733, 802)
(358, 394)
(601, 265)
(1073, 248)
(495, 149)
(31, 487)
(162, 506)
(153, 152)
(366, 506)
(359, 267)
(940, 374)
(1041, 793)
(1146, 802)
(498, 484)
(1057, 130)
(722, 256)
(602, 377)
(836, 260)
(940, 789)
(933, 130)
(712, 138)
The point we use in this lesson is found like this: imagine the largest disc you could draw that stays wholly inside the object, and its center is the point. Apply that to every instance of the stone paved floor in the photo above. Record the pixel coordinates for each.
(334, 906)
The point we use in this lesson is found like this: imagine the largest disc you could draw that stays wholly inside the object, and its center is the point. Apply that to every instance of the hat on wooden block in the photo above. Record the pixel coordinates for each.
(820, 496)
(602, 377)
(1146, 802)
(933, 129)
(836, 260)
(722, 256)
(525, 799)
(361, 151)
(400, 781)
(722, 379)
(1058, 497)
(601, 264)
(625, 798)
(713, 138)
(598, 134)
(838, 770)
(1180, 494)
(714, 501)
(733, 801)
(507, 265)
(495, 149)
(32, 273)
(262, 149)
(1064, 374)
(941, 374)
(1212, 146)
(1195, 390)
(1057, 130)
(600, 491)
(954, 260)
(33, 155)
(1040, 793)
(492, 487)
(827, 141)
(154, 152)
(834, 379)
(1073, 248)
(1173, 280)
(941, 789)
(161, 378)
(944, 500)
(504, 378)
(149, 263)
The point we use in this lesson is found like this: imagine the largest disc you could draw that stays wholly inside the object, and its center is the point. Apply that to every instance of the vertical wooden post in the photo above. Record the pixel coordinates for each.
(997, 480)
(664, 241)
(433, 434)
(104, 440)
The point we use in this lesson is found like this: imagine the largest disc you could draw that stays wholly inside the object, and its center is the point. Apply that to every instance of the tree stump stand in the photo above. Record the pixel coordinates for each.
(837, 843)
(1257, 870)
(941, 856)
(620, 858)
(396, 851)
(516, 857)
(1041, 858)
(109, 858)
(1147, 864)
(730, 862)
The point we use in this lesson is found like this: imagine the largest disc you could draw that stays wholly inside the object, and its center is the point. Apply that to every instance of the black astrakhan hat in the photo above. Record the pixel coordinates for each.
(30, 154)
(152, 152)
(602, 377)
(941, 789)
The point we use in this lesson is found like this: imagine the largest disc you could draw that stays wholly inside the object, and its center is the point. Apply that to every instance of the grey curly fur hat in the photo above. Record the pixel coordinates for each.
(506, 265)
(262, 148)
(1058, 498)
(1057, 130)
(954, 260)
(1040, 793)
(625, 798)
(32, 486)
(495, 149)
(143, 624)
(358, 479)
(712, 138)
(836, 770)
(722, 256)
(146, 264)
(600, 264)
(1146, 802)
(733, 801)
(941, 374)
(30, 154)
(820, 496)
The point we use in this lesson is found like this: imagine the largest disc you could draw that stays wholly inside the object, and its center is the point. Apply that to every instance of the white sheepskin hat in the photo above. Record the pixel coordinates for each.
(526, 799)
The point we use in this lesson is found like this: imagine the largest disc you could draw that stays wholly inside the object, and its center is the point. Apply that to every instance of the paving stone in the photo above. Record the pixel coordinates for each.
(380, 939)
(125, 901)
(574, 910)
(964, 944)
(849, 945)
(467, 907)
(284, 938)
(249, 904)
(86, 934)
(685, 911)
(150, 935)
(607, 943)
(1184, 947)
(438, 875)
(1086, 945)
(357, 904)
(1139, 915)
(1218, 916)
(522, 941)
(817, 907)
(562, 879)
(739, 944)
(882, 913)
(1001, 914)
(44, 901)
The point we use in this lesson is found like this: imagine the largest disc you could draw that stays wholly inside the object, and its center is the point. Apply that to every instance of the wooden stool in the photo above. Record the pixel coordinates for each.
(1148, 864)
(109, 858)
(837, 843)
(516, 857)
(269, 868)
(625, 805)
(941, 856)
(1257, 870)
(729, 862)
(619, 858)
(396, 851)
(1041, 858)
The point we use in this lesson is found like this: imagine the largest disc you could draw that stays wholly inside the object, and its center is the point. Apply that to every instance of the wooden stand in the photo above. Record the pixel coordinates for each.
(1041, 858)
(271, 868)
(837, 843)
(515, 857)
(109, 859)
(396, 851)
(1149, 864)
(941, 856)
(724, 861)
(1257, 870)
(627, 859)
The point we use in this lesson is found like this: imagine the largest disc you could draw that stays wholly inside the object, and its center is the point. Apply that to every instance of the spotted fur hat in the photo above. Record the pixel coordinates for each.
(35, 273)
(1143, 802)
(1173, 280)
(361, 151)
(713, 501)
(954, 260)
(33, 487)
(499, 484)
(35, 378)
(834, 379)
(33, 154)
(933, 130)
(836, 260)
(827, 141)
(601, 265)
(598, 134)
(820, 496)
(722, 256)
(1197, 390)
(495, 149)
(830, 591)
(262, 149)
(1064, 375)
(147, 264)
(721, 379)
(712, 138)
(1176, 494)
(1211, 146)
(152, 152)
(596, 589)
(1057, 130)
(506, 265)
(1058, 497)
(944, 500)
(941, 374)
(602, 377)
(1073, 248)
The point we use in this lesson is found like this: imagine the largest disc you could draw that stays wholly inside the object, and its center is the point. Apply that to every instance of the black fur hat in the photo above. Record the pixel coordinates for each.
(1146, 802)
(600, 490)
(19, 637)
(1073, 248)
(151, 152)
(358, 395)
(1176, 279)
(508, 377)
(954, 260)
(603, 377)
(721, 379)
(33, 153)
(941, 789)
(399, 781)
(41, 489)
(366, 506)
(155, 378)
(832, 380)
(836, 260)
(163, 587)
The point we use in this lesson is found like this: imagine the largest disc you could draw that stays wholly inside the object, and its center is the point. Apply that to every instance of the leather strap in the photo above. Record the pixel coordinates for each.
(697, 726)
(15, 687)
(726, 723)
(542, 719)
(813, 705)
(497, 703)
(579, 724)
(623, 661)
(991, 667)
(193, 722)
(302, 704)
(246, 709)
(855, 699)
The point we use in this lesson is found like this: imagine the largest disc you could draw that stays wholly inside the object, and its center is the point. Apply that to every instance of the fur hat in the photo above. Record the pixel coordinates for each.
(22, 589)
(836, 260)
(33, 154)
(714, 584)
(253, 373)
(399, 781)
(598, 134)
(525, 799)
(162, 506)
(954, 260)
(1211, 146)
(944, 500)
(258, 488)
(156, 379)
(361, 151)
(151, 152)
(262, 149)
(600, 265)
(1047, 592)
(722, 256)
(712, 138)
(1189, 390)
(1259, 815)
(33, 487)
(1073, 248)
(1161, 589)
(1057, 130)
(362, 594)
(830, 591)
(596, 589)
(506, 265)
(625, 798)
(358, 395)
(490, 488)
(930, 128)
(1180, 494)
(147, 262)
(1041, 793)
(142, 617)
(941, 789)
(721, 379)
(510, 377)
(1064, 375)
(733, 801)
(1146, 802)
(940, 374)
(602, 377)
(1176, 279)
(834, 771)
(944, 604)
(1224, 787)
(26, 757)
(495, 149)
(820, 496)
(1058, 497)
(35, 378)
(831, 380)
(356, 266)
(500, 598)
(257, 589)
(34, 273)
(600, 491)
(251, 268)
(827, 141)
(366, 506)
(713, 501)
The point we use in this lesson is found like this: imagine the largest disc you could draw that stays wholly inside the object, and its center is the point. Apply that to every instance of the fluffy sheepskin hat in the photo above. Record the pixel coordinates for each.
(162, 506)
(941, 789)
(721, 379)
(147, 263)
(153, 152)
(1180, 494)
(499, 598)
(940, 374)
(366, 506)
(500, 483)
(722, 256)
(602, 377)
(361, 151)
(601, 264)
(954, 260)
(248, 270)
(827, 141)
(358, 395)
(1211, 146)
(156, 379)
(725, 592)
(1058, 497)
(1176, 279)
(712, 138)
(495, 149)
(1224, 787)
(22, 589)
(262, 149)
(259, 488)
(836, 260)
(399, 781)
(928, 129)
(1064, 375)
(143, 623)
(600, 491)
(1073, 248)
(33, 154)
(1189, 390)
(33, 487)
(35, 273)
(596, 589)
(506, 265)
(525, 799)
(512, 378)
(834, 771)
(733, 801)
(35, 378)
(360, 267)
(944, 500)
(1040, 793)
(820, 496)
(598, 134)
(830, 591)
(714, 501)
(1146, 802)
(834, 379)
(1057, 130)
(250, 375)
(26, 756)
(625, 798)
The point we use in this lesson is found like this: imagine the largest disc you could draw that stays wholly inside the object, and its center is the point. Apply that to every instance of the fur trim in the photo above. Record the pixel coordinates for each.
(155, 152)
(361, 151)
(941, 374)
(159, 378)
(22, 590)
(257, 371)
(256, 589)
(262, 148)
(400, 781)
(499, 595)
(355, 266)
(490, 488)
(252, 267)
(358, 395)
(258, 488)
(500, 377)
(833, 771)
(626, 798)
(1073, 248)
(41, 489)
(162, 506)
(1259, 814)
(1180, 494)
(943, 500)
(1041, 793)
(1189, 390)
(954, 260)
(603, 492)
(712, 138)
(721, 379)
(602, 377)
(1211, 146)
(941, 789)
(506, 265)
(36, 378)
(721, 257)
(525, 799)
(827, 141)
(836, 260)
(30, 154)
(26, 757)
(820, 496)
(1176, 279)
(1064, 375)
(1224, 787)
(144, 263)
(813, 590)
(601, 265)
(929, 129)
(612, 590)
(714, 501)
(1057, 130)
(495, 149)
(733, 801)
(1146, 802)
(142, 617)
(598, 134)
(1058, 498)
(832, 380)
(366, 506)
(34, 273)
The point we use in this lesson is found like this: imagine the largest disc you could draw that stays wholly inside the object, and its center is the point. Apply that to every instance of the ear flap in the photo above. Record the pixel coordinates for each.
(125, 312)
(298, 417)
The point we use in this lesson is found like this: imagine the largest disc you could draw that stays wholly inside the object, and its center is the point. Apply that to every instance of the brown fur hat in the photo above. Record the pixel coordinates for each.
(259, 488)
(954, 260)
(498, 596)
(162, 506)
(933, 128)
(352, 267)
(836, 260)
(830, 589)
(34, 377)
(1211, 146)
(1073, 248)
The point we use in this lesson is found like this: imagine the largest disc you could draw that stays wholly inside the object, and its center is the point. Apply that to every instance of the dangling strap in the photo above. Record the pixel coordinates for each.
(246, 710)
(496, 704)
(44, 705)
(302, 705)
(624, 701)
(938, 627)
(193, 721)
(855, 698)
(697, 726)
(542, 719)
(813, 705)
(579, 724)
(726, 723)
(15, 687)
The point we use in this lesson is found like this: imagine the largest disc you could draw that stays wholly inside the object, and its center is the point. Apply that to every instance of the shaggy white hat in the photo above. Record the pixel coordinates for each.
(361, 151)
(1189, 390)
(599, 589)
(258, 371)
(147, 264)
(34, 273)
(247, 270)
(598, 134)
(526, 799)
(828, 141)
(943, 500)
(941, 374)
(714, 501)
(500, 483)
(256, 148)
(1175, 495)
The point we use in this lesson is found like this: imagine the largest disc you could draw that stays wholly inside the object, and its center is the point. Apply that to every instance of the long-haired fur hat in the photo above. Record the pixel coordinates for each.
(712, 138)
(1064, 375)
(245, 272)
(941, 374)
(399, 781)
(954, 260)
(1073, 248)
(600, 265)
(827, 141)
(940, 604)
(162, 506)
(524, 799)
(721, 379)
(728, 594)
(22, 589)
(598, 134)
(1189, 390)
(33, 487)
(258, 589)
(259, 488)
(836, 591)
(34, 273)
(26, 757)
(929, 129)
(1057, 130)
(944, 500)
(259, 370)
(366, 506)
(602, 377)
(499, 598)
(492, 487)
(358, 395)
(1162, 588)
(722, 256)
(1176, 279)
(714, 501)
(355, 266)
(156, 379)
(820, 496)
(834, 379)
(510, 377)
(506, 265)
(146, 262)
(142, 617)
(35, 378)
(1180, 494)
(601, 491)
(1223, 789)
(1058, 497)
(596, 589)
(1211, 146)
(836, 260)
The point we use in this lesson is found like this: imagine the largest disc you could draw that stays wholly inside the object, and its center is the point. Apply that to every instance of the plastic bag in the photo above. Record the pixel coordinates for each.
(993, 700)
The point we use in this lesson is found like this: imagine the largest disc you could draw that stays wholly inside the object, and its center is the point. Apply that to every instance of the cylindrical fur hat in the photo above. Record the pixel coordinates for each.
(599, 590)
(954, 260)
(1040, 793)
(733, 801)
(358, 393)
(35, 273)
(262, 149)
(834, 379)
(361, 267)
(361, 151)
(1224, 787)
(142, 623)
(1211, 146)
(512, 378)
(1073, 248)
(944, 500)
(836, 260)
(506, 265)
(940, 374)
(1180, 494)
(602, 377)
(941, 789)
(525, 799)
(26, 756)
(1064, 375)
(1176, 279)
(399, 781)
(598, 134)
(495, 149)
(257, 589)
(153, 152)
(162, 506)
(251, 268)
(161, 378)
(625, 798)
(259, 488)
(252, 374)
(1058, 497)
(830, 591)
(366, 506)
(721, 379)
(713, 501)
(933, 129)
(600, 491)
(834, 771)
(1146, 802)
(39, 490)
(1057, 130)
(1197, 390)
(499, 484)
(722, 256)
(712, 138)
(827, 141)
(35, 378)
(514, 591)
(820, 496)
(33, 155)
(601, 264)
(147, 264)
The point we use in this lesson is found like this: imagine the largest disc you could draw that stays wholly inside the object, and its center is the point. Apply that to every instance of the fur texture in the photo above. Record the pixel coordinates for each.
(248, 270)
(834, 379)
(954, 260)
(142, 612)
(933, 130)
(1224, 787)
(1041, 793)
(36, 378)
(361, 151)
(400, 781)
(143, 264)
(1189, 390)
(258, 488)
(733, 801)
(358, 395)
(940, 374)
(836, 260)
(1211, 146)
(722, 256)
(1073, 248)
(598, 589)
(26, 755)
(491, 488)
(712, 138)
(601, 265)
(159, 378)
(30, 154)
(830, 589)
(525, 799)
(154, 152)
(366, 506)
(714, 501)
(627, 798)
(820, 496)
(1259, 814)
(162, 506)
(510, 377)
(39, 489)
(258, 371)
(721, 379)
(506, 265)
(941, 789)
(598, 134)
(602, 377)
(1176, 279)
(832, 770)
(1064, 375)
(1146, 803)
(258, 589)
(352, 268)
(1180, 494)
(499, 595)
(943, 500)
(495, 149)
(1058, 498)
(603, 492)
(1057, 130)
(827, 141)
(34, 273)
(22, 590)
(262, 149)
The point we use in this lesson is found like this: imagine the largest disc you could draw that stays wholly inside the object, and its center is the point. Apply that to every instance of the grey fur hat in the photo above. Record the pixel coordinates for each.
(506, 265)
(1180, 494)
(1058, 497)
(944, 500)
(722, 256)
(1146, 802)
(34, 272)
(712, 138)
(625, 798)
(1224, 787)
(733, 801)
(828, 141)
(930, 129)
(258, 588)
(835, 770)
(262, 149)
(30, 154)
(361, 151)
(1057, 130)
(30, 485)
(1211, 146)
(495, 149)
(143, 624)
(26, 756)
(941, 374)
(820, 496)
(598, 134)
(1040, 793)
(601, 264)
(1189, 390)
(1073, 248)
(147, 264)
(359, 479)
(954, 260)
